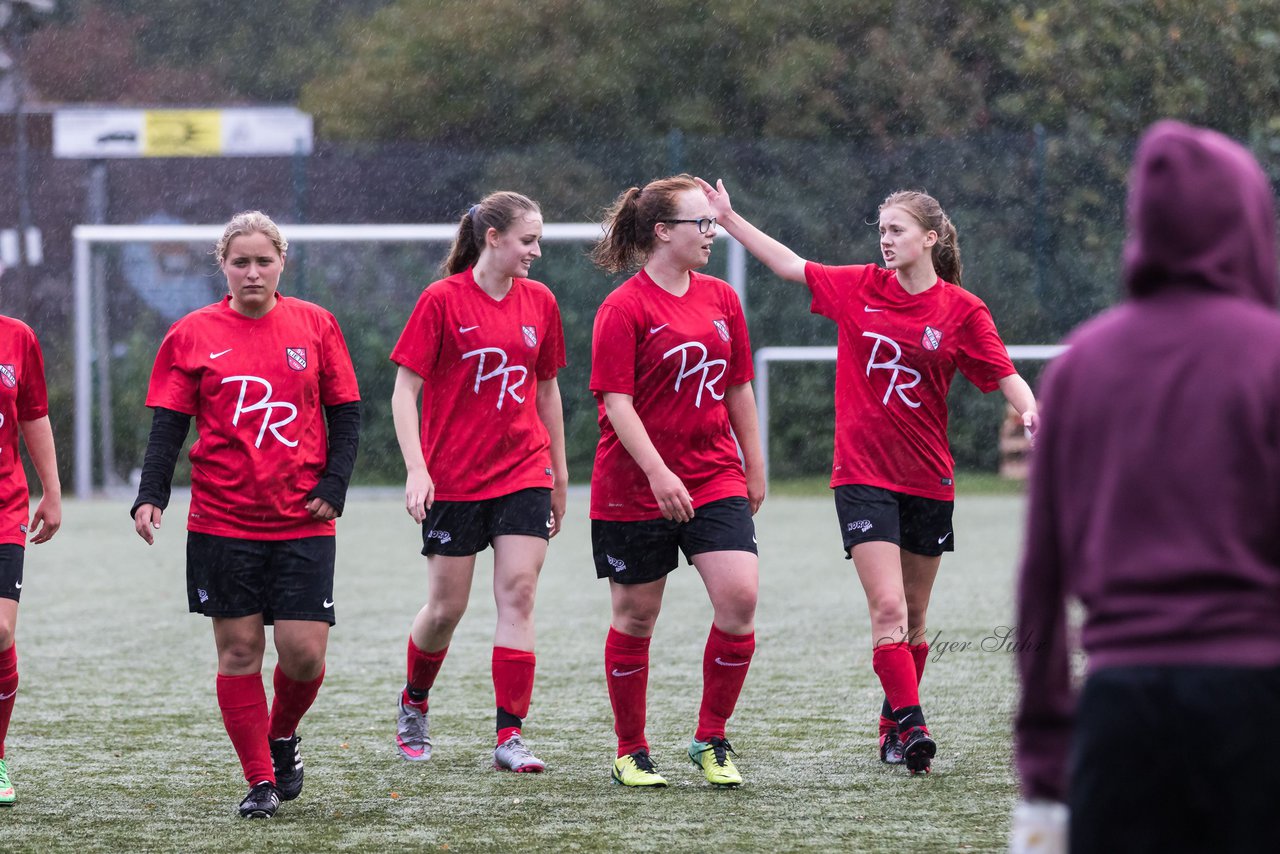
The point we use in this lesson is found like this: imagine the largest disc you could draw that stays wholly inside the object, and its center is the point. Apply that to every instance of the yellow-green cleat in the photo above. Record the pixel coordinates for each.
(637, 769)
(7, 796)
(712, 756)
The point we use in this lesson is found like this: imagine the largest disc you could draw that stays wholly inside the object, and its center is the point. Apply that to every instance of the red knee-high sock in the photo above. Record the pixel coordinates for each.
(892, 662)
(8, 689)
(725, 662)
(423, 667)
(291, 701)
(919, 656)
(243, 702)
(626, 670)
(512, 688)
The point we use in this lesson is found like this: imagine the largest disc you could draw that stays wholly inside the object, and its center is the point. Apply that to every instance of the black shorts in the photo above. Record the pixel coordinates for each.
(640, 552)
(918, 525)
(462, 528)
(279, 579)
(11, 557)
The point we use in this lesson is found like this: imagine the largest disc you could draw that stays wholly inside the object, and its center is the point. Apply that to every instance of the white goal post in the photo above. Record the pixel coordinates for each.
(766, 355)
(87, 323)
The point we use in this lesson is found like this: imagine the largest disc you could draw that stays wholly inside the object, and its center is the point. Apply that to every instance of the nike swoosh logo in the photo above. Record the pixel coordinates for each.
(328, 603)
(869, 308)
(10, 694)
(617, 672)
(17, 585)
(653, 329)
(468, 328)
(223, 353)
(943, 539)
(721, 661)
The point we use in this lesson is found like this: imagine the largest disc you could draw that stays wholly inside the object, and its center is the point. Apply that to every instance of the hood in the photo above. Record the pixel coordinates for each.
(1200, 215)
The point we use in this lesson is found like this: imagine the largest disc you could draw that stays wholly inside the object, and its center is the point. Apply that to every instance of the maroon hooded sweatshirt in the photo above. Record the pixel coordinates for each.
(1155, 486)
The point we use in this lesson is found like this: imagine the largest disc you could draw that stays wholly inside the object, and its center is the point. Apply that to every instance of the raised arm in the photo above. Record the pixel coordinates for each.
(782, 261)
(419, 491)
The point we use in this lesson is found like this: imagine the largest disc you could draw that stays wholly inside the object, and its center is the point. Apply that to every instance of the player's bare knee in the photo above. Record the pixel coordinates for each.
(638, 623)
(6, 633)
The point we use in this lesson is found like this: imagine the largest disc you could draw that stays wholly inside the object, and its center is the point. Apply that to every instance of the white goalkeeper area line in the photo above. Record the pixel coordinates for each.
(767, 355)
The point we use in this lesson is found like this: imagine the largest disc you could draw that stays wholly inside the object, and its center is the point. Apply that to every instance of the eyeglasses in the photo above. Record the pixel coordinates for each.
(705, 224)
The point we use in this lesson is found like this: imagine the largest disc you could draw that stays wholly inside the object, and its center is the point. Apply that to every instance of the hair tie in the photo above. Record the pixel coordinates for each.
(471, 212)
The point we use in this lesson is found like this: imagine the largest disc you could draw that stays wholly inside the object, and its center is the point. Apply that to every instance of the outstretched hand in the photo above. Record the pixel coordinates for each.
(717, 197)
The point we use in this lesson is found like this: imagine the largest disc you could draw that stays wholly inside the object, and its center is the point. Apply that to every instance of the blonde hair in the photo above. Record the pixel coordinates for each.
(249, 222)
(496, 210)
(925, 209)
(629, 222)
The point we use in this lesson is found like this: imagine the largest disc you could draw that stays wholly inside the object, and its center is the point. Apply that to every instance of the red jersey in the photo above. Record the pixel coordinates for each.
(895, 358)
(257, 388)
(676, 357)
(22, 398)
(481, 360)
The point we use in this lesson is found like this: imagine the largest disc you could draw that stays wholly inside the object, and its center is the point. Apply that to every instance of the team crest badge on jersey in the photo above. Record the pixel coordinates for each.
(8, 376)
(722, 328)
(296, 357)
(931, 339)
(530, 335)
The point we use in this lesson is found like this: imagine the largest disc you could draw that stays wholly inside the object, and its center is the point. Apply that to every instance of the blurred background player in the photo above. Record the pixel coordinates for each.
(263, 374)
(671, 372)
(24, 410)
(1155, 495)
(486, 462)
(903, 331)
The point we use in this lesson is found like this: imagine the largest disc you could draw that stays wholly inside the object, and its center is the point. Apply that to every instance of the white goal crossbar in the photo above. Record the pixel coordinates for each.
(767, 355)
(87, 236)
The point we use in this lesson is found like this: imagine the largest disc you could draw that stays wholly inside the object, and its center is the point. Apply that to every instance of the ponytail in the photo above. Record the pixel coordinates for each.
(946, 253)
(629, 222)
(619, 249)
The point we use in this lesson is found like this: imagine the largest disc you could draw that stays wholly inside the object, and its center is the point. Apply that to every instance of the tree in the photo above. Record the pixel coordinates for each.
(501, 72)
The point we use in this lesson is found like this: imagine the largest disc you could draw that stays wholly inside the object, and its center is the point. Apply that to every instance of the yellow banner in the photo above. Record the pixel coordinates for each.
(182, 133)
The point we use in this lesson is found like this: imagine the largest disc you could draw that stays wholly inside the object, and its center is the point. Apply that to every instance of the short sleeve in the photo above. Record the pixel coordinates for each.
(613, 352)
(174, 384)
(834, 288)
(419, 346)
(33, 396)
(741, 368)
(337, 374)
(980, 354)
(551, 356)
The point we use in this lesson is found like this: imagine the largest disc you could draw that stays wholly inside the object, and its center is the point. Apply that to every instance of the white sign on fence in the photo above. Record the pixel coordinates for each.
(239, 132)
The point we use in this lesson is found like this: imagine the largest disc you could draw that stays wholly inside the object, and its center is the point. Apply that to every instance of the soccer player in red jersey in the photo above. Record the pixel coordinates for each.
(904, 329)
(270, 383)
(671, 372)
(24, 409)
(486, 462)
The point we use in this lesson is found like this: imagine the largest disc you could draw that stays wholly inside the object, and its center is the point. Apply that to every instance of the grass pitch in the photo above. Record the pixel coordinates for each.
(116, 742)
